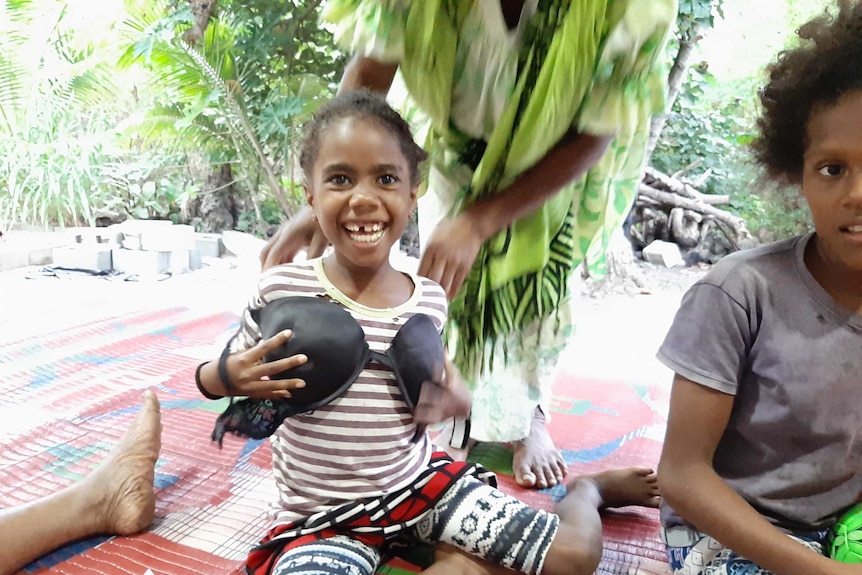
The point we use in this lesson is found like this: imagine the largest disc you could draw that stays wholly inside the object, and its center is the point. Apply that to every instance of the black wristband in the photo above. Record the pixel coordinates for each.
(203, 391)
(222, 371)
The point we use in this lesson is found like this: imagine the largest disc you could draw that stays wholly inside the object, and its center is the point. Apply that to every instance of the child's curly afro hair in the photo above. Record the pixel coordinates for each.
(826, 65)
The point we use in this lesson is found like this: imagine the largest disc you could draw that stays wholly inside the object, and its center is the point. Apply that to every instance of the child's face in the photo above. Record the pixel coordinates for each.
(832, 180)
(360, 190)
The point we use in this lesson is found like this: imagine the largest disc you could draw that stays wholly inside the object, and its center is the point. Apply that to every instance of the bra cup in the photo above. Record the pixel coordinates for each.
(325, 332)
(416, 355)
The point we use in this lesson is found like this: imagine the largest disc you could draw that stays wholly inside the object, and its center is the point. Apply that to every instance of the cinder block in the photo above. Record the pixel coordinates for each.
(135, 231)
(141, 262)
(12, 260)
(168, 238)
(41, 256)
(92, 257)
(195, 261)
(209, 245)
(147, 263)
(89, 235)
(131, 241)
(179, 261)
(663, 253)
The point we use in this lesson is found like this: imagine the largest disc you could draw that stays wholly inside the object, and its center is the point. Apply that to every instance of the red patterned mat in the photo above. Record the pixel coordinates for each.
(66, 397)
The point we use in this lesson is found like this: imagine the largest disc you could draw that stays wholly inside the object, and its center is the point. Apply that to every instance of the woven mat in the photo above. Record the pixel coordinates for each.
(67, 396)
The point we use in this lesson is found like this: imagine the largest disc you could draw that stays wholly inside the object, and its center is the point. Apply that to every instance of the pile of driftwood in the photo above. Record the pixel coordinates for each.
(670, 208)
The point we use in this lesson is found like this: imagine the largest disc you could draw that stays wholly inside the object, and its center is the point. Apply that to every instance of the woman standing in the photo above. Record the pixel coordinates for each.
(538, 116)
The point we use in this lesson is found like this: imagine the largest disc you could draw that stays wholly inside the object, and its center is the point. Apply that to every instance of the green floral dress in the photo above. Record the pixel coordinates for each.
(494, 101)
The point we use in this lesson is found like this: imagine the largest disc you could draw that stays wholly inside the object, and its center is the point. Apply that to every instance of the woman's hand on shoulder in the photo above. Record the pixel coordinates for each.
(298, 233)
(252, 376)
(451, 251)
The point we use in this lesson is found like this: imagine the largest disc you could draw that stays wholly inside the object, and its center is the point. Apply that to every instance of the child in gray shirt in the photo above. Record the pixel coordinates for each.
(764, 440)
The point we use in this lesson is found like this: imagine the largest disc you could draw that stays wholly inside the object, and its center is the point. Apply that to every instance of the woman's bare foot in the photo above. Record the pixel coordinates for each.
(626, 486)
(537, 462)
(123, 482)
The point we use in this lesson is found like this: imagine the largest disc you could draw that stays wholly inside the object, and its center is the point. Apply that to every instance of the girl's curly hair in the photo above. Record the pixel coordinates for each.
(826, 65)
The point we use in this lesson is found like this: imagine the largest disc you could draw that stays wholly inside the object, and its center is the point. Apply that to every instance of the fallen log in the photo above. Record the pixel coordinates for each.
(676, 201)
(732, 226)
(655, 178)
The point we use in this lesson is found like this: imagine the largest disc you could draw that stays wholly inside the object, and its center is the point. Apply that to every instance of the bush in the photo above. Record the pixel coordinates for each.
(707, 136)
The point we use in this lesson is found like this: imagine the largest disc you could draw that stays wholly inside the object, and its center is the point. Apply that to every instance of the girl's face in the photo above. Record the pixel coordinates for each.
(360, 190)
(832, 181)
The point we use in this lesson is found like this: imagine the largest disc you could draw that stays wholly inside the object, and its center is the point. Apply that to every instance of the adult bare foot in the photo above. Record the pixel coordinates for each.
(537, 462)
(626, 486)
(124, 481)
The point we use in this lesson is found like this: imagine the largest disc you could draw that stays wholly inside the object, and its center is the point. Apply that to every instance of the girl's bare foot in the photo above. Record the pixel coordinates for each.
(123, 482)
(537, 462)
(625, 486)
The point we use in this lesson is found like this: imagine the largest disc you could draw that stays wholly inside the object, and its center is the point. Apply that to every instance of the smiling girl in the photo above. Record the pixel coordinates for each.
(358, 476)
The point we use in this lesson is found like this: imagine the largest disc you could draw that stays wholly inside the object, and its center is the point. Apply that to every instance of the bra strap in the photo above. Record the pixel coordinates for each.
(222, 370)
(200, 385)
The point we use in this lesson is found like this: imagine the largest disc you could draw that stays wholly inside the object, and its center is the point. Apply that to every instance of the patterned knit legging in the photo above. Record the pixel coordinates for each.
(472, 516)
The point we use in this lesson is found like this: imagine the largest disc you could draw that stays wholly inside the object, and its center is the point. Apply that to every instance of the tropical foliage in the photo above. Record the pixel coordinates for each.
(135, 123)
(711, 124)
(122, 112)
(237, 95)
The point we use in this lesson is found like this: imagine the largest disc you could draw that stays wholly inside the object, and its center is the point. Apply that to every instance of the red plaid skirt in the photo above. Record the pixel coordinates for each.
(373, 521)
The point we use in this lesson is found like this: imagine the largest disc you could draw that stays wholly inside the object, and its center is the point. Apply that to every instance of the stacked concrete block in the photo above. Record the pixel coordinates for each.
(154, 247)
(86, 249)
(143, 248)
(209, 245)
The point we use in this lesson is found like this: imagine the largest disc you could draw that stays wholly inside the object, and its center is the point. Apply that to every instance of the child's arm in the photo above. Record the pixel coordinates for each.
(690, 485)
(248, 374)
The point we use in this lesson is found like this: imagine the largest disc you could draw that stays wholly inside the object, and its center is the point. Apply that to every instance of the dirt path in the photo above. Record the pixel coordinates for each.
(621, 326)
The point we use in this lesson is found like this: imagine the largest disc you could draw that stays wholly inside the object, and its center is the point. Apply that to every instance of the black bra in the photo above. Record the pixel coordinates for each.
(337, 352)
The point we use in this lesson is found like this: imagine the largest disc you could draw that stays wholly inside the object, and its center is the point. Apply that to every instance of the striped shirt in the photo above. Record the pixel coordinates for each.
(362, 443)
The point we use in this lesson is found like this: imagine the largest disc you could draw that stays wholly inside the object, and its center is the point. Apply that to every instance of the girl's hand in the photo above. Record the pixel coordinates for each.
(451, 252)
(250, 374)
(441, 399)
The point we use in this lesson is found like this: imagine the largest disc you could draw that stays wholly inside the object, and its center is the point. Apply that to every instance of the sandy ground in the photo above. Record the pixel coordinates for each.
(620, 326)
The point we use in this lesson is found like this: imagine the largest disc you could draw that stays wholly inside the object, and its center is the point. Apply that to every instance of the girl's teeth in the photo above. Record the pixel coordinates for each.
(366, 237)
(375, 227)
(855, 229)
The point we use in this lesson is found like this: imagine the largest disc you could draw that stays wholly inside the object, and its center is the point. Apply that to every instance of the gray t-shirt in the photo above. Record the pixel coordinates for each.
(760, 327)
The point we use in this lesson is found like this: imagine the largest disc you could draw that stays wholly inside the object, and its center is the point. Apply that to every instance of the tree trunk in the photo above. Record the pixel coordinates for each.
(218, 208)
(623, 273)
(202, 11)
(675, 79)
